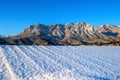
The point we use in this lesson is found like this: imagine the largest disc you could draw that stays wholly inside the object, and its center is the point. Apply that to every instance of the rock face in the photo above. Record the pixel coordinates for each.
(69, 34)
(78, 33)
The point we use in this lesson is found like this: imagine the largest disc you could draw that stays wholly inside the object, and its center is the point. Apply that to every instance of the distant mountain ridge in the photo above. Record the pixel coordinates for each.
(69, 34)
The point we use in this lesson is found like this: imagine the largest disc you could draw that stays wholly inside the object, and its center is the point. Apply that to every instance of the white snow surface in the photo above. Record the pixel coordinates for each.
(59, 63)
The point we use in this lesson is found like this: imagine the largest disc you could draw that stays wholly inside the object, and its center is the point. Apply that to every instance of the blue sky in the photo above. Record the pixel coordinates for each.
(16, 15)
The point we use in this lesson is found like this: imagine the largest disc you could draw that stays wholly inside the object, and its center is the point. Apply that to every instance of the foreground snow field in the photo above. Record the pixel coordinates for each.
(59, 63)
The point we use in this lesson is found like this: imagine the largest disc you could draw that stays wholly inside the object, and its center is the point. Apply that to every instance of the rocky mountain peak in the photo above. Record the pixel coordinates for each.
(69, 34)
(35, 29)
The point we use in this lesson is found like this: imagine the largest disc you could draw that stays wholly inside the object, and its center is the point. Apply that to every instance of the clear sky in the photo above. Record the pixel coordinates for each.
(16, 15)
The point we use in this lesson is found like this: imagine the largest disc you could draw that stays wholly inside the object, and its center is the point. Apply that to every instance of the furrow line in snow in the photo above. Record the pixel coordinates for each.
(28, 59)
(69, 63)
(104, 69)
(78, 59)
(7, 65)
(22, 66)
(40, 58)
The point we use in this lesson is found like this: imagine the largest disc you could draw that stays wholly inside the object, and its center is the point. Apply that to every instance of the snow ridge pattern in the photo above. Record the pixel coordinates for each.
(59, 63)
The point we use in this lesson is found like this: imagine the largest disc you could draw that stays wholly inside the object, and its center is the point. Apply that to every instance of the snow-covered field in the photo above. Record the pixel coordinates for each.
(59, 63)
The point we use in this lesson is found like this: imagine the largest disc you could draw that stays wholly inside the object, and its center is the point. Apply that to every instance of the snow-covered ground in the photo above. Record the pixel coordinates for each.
(59, 63)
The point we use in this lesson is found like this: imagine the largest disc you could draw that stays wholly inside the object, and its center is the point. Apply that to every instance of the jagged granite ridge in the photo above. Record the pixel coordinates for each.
(69, 34)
